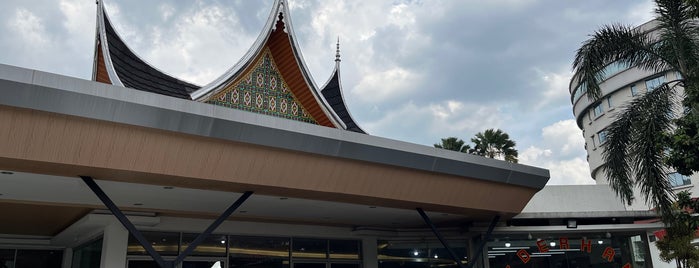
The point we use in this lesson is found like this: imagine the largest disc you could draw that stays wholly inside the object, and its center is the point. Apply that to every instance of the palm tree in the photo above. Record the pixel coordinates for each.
(494, 144)
(454, 144)
(640, 139)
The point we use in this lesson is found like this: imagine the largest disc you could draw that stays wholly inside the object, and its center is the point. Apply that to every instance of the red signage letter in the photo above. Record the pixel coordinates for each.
(627, 265)
(563, 243)
(524, 255)
(608, 254)
(584, 245)
(541, 244)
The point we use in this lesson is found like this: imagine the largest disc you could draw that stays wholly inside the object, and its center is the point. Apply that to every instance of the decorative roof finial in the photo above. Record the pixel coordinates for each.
(280, 22)
(337, 52)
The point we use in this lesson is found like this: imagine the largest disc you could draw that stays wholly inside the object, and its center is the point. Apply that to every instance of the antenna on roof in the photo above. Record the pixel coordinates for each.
(337, 52)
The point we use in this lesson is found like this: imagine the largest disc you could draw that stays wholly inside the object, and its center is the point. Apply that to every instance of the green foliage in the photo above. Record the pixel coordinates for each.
(453, 144)
(493, 143)
(681, 227)
(643, 139)
(490, 143)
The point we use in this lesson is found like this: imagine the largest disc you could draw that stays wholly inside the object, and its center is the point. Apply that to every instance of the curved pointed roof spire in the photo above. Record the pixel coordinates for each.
(115, 63)
(332, 92)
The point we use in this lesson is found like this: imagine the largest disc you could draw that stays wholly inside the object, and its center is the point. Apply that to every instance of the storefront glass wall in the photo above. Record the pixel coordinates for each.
(567, 250)
(419, 254)
(249, 251)
(87, 255)
(30, 258)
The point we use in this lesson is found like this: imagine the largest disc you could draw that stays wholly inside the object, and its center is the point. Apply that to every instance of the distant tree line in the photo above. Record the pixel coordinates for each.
(491, 143)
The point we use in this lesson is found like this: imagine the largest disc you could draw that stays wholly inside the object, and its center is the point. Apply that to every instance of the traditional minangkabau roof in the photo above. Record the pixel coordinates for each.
(122, 67)
(271, 78)
(332, 92)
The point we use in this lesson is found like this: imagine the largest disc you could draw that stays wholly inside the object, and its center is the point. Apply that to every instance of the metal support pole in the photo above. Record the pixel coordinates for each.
(200, 238)
(485, 240)
(125, 221)
(439, 236)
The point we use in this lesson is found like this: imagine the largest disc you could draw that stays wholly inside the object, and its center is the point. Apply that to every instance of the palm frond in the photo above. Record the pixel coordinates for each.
(614, 43)
(635, 145)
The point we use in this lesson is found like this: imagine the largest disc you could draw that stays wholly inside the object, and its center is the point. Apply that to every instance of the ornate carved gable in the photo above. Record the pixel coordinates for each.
(262, 89)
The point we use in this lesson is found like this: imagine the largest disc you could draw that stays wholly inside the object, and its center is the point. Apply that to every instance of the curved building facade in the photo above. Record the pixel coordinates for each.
(620, 85)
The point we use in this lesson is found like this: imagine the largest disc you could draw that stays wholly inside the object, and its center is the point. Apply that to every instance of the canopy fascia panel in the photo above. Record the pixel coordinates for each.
(69, 127)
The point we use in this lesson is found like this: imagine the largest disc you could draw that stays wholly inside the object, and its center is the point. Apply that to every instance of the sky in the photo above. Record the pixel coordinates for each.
(412, 70)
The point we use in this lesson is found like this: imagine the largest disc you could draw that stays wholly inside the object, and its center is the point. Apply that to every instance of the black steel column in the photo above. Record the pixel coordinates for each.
(485, 240)
(200, 238)
(125, 221)
(439, 236)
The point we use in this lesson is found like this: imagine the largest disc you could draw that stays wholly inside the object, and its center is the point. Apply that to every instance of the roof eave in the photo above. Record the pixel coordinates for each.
(102, 35)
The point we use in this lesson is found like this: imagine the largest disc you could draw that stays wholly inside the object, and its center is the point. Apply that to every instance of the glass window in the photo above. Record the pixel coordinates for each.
(678, 75)
(258, 252)
(654, 83)
(7, 258)
(213, 245)
(38, 258)
(344, 249)
(567, 250)
(167, 244)
(677, 179)
(597, 110)
(142, 264)
(88, 255)
(609, 102)
(310, 248)
(403, 254)
(579, 91)
(634, 90)
(602, 135)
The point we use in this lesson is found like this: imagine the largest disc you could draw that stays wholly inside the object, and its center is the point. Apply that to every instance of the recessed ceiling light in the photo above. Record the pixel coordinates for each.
(283, 198)
(168, 187)
(223, 241)
(138, 204)
(7, 172)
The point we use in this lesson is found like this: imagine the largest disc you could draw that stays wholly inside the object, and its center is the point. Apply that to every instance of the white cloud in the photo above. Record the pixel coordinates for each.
(29, 28)
(380, 86)
(426, 124)
(565, 136)
(166, 11)
(200, 46)
(561, 151)
(555, 86)
(641, 13)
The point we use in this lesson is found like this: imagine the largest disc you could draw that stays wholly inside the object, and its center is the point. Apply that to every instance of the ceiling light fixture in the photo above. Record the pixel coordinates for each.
(7, 172)
(507, 244)
(600, 242)
(415, 253)
(553, 244)
(168, 187)
(572, 224)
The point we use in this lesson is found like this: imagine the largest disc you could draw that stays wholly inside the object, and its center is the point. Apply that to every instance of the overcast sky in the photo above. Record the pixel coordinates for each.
(412, 70)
